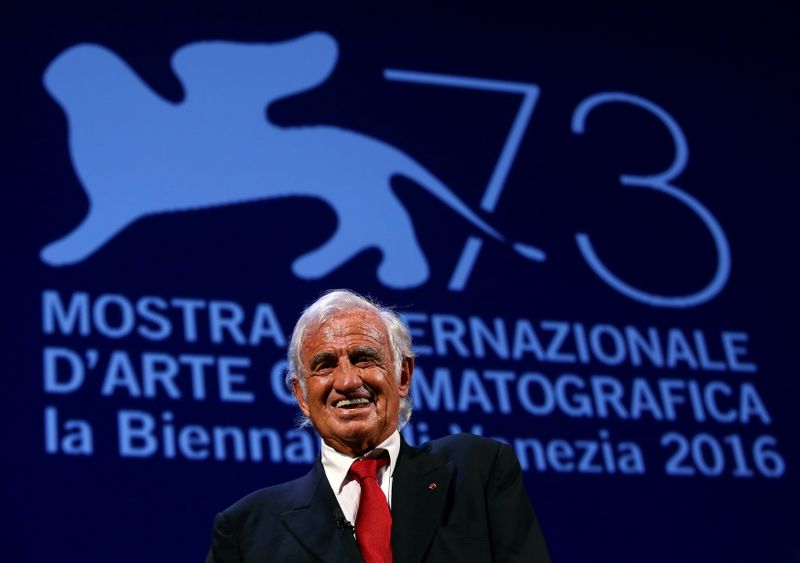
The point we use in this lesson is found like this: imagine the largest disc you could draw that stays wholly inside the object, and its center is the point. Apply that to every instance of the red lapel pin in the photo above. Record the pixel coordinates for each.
(432, 486)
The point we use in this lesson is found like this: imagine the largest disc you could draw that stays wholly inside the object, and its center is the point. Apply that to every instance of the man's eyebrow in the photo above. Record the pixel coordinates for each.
(320, 358)
(366, 351)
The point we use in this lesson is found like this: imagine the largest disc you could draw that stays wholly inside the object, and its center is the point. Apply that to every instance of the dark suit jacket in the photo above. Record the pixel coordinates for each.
(460, 498)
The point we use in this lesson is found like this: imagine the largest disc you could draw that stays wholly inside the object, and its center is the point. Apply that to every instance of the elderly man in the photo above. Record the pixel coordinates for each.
(372, 497)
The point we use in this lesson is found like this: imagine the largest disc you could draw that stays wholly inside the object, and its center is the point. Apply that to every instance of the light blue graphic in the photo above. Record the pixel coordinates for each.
(458, 280)
(137, 155)
(530, 93)
(660, 182)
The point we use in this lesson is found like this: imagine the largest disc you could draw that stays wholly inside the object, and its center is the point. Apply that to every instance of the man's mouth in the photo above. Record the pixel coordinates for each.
(351, 403)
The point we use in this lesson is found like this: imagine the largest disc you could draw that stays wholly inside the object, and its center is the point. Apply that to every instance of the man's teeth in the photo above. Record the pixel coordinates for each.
(351, 402)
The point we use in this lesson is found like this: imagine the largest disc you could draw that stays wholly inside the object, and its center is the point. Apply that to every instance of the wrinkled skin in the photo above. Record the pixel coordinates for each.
(352, 396)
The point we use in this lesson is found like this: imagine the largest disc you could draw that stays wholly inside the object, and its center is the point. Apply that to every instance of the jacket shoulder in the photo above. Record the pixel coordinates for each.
(470, 452)
(269, 501)
(468, 444)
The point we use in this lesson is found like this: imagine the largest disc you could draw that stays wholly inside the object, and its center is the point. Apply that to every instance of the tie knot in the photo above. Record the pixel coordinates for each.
(367, 467)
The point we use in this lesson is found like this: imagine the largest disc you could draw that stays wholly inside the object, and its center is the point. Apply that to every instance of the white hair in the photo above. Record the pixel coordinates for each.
(333, 303)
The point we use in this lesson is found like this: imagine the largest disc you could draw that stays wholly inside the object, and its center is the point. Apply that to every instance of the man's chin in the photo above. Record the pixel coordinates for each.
(359, 433)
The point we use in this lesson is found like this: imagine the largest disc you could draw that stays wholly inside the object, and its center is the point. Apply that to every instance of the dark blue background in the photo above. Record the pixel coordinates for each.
(729, 79)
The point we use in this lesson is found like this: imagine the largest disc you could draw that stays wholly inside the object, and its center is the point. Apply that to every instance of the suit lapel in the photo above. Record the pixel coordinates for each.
(419, 490)
(313, 521)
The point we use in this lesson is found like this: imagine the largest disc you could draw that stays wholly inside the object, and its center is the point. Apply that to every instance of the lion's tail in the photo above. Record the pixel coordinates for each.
(439, 190)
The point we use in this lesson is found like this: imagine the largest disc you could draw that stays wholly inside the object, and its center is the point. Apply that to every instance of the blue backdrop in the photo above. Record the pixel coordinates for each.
(585, 217)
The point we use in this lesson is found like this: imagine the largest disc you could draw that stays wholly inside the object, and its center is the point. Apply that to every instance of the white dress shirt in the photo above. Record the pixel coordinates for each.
(347, 489)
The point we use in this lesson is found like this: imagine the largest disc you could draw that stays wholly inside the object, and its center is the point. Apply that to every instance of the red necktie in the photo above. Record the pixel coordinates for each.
(373, 521)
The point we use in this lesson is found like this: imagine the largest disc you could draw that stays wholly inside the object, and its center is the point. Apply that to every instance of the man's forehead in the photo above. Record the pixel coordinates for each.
(353, 323)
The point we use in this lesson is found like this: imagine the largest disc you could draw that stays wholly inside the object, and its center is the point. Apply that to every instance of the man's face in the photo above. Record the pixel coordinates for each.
(352, 396)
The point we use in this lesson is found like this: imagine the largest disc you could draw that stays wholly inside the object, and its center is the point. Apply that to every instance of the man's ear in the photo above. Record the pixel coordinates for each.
(298, 395)
(404, 385)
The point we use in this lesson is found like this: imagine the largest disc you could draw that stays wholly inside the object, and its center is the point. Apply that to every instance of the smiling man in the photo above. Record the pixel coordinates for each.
(372, 497)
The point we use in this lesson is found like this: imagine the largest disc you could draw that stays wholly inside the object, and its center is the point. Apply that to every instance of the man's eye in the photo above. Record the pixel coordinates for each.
(323, 368)
(364, 361)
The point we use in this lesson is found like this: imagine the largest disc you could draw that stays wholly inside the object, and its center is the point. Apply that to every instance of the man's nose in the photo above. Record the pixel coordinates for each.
(347, 378)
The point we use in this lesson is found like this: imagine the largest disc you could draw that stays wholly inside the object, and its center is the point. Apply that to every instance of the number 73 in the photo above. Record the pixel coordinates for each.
(661, 182)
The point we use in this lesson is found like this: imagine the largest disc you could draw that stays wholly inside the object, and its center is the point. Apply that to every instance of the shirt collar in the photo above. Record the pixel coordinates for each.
(337, 464)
